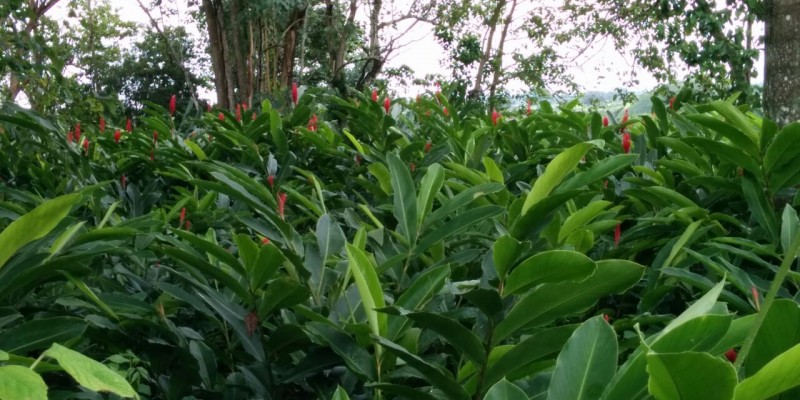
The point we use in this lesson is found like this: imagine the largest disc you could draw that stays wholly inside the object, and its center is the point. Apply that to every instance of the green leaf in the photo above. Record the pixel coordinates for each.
(778, 376)
(670, 196)
(558, 300)
(431, 184)
(783, 149)
(369, 288)
(90, 373)
(435, 375)
(600, 170)
(405, 202)
(737, 138)
(580, 218)
(267, 264)
(689, 376)
(505, 252)
(760, 207)
(789, 226)
(555, 172)
(682, 241)
(549, 267)
(736, 118)
(340, 394)
(423, 287)
(532, 349)
(587, 363)
(357, 358)
(466, 196)
(17, 382)
(724, 152)
(41, 333)
(778, 333)
(35, 224)
(461, 338)
(458, 224)
(505, 390)
(206, 362)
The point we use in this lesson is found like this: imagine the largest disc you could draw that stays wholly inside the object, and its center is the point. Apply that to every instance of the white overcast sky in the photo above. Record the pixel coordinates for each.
(598, 70)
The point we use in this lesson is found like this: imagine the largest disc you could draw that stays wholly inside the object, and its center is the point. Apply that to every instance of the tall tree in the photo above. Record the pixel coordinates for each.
(782, 61)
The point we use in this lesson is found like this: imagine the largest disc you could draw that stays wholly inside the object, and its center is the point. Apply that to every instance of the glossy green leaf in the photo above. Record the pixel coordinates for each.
(600, 170)
(461, 338)
(760, 207)
(558, 300)
(423, 287)
(779, 332)
(41, 333)
(555, 172)
(505, 252)
(90, 373)
(505, 390)
(778, 376)
(458, 224)
(405, 198)
(431, 184)
(549, 267)
(369, 288)
(581, 217)
(17, 382)
(690, 376)
(35, 224)
(789, 226)
(354, 355)
(340, 394)
(586, 364)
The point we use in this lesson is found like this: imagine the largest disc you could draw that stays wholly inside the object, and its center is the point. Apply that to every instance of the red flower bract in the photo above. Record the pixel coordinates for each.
(617, 234)
(102, 124)
(605, 120)
(123, 181)
(731, 355)
(129, 125)
(528, 108)
(271, 181)
(117, 135)
(86, 146)
(221, 116)
(626, 142)
(239, 112)
(182, 216)
(281, 204)
(312, 123)
(77, 131)
(495, 117)
(375, 95)
(428, 146)
(294, 93)
(625, 116)
(386, 104)
(172, 103)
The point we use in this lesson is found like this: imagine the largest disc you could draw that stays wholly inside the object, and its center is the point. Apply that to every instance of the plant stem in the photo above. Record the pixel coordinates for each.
(776, 284)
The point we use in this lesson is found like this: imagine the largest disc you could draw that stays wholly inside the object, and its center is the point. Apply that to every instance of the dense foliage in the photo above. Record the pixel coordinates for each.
(372, 248)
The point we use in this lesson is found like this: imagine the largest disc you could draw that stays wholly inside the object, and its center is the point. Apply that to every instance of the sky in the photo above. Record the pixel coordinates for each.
(599, 70)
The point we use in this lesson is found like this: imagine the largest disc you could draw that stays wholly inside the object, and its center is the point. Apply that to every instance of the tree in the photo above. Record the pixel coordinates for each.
(782, 61)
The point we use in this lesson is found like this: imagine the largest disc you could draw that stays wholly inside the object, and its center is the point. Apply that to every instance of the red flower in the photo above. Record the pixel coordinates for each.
(102, 124)
(244, 106)
(70, 137)
(221, 116)
(428, 146)
(626, 142)
(271, 181)
(129, 125)
(77, 131)
(731, 355)
(446, 113)
(672, 102)
(265, 240)
(86, 146)
(188, 225)
(117, 135)
(281, 203)
(625, 116)
(172, 102)
(617, 235)
(312, 123)
(386, 104)
(528, 109)
(182, 217)
(239, 112)
(605, 120)
(495, 117)
(375, 95)
(294, 93)
(606, 317)
(754, 290)
(155, 137)
(123, 181)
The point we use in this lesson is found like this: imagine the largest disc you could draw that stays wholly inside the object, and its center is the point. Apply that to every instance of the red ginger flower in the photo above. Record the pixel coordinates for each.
(625, 116)
(77, 131)
(86, 146)
(281, 204)
(221, 116)
(731, 355)
(528, 108)
(605, 120)
(672, 102)
(386, 104)
(123, 181)
(172, 103)
(375, 95)
(102, 124)
(70, 136)
(239, 112)
(117, 135)
(271, 181)
(182, 217)
(294, 93)
(264, 240)
(312, 123)
(428, 146)
(188, 225)
(129, 125)
(446, 113)
(155, 137)
(626, 142)
(617, 234)
(495, 117)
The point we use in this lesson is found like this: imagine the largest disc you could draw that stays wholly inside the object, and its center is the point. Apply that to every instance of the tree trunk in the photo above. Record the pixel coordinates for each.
(498, 63)
(216, 42)
(487, 50)
(782, 61)
(374, 63)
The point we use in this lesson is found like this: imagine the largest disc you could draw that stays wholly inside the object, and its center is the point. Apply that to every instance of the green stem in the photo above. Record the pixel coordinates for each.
(776, 284)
